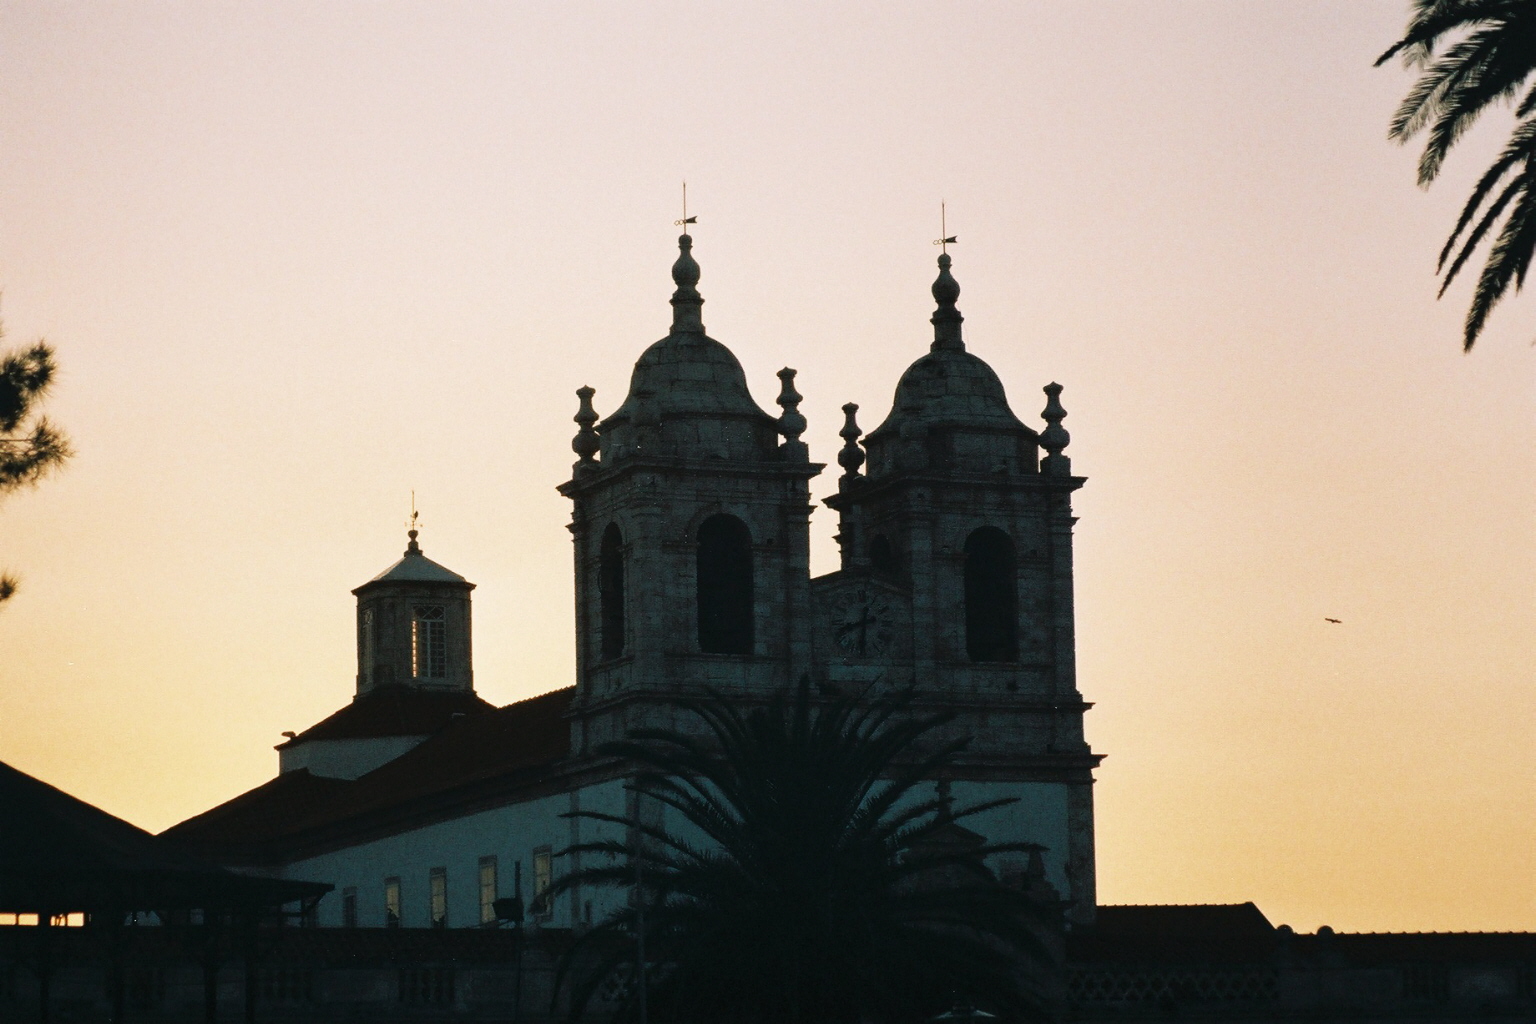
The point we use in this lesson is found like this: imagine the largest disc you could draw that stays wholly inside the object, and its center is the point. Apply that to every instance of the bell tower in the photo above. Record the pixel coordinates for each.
(690, 523)
(956, 579)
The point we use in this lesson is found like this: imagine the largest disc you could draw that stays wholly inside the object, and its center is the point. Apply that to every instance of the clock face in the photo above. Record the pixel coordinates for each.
(862, 624)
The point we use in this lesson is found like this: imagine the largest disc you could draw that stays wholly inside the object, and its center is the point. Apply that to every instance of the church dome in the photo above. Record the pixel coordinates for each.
(950, 410)
(953, 388)
(688, 395)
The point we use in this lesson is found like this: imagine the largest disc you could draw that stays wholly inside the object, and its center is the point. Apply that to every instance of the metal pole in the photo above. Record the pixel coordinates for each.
(517, 940)
(640, 934)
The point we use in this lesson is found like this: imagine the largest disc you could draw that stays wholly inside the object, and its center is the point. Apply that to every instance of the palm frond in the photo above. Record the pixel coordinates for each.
(1508, 261)
(824, 881)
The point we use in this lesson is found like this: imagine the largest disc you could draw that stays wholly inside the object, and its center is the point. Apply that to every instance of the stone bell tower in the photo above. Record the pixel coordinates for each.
(956, 579)
(690, 522)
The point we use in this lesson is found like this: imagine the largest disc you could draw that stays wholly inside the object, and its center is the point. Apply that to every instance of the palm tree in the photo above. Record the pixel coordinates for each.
(809, 875)
(1470, 54)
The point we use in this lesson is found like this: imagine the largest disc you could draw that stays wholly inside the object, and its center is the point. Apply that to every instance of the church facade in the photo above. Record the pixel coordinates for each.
(422, 804)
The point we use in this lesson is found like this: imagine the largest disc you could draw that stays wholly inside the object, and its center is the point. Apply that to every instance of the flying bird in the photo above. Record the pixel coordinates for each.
(1327, 619)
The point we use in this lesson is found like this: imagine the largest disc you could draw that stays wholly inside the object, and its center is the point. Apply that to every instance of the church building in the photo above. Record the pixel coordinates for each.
(422, 804)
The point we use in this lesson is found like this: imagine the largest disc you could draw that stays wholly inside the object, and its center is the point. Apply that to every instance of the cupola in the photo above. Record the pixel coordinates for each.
(413, 626)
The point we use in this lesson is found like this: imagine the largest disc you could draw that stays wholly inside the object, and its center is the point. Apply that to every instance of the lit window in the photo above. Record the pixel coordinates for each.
(438, 881)
(365, 647)
(349, 907)
(487, 890)
(391, 903)
(429, 647)
(543, 875)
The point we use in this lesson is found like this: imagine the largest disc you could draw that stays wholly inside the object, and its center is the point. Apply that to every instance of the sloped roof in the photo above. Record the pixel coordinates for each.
(416, 567)
(59, 852)
(478, 759)
(1375, 948)
(1193, 933)
(394, 710)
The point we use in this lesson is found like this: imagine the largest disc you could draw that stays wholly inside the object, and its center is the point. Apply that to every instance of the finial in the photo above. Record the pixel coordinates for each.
(946, 319)
(586, 443)
(686, 301)
(852, 456)
(791, 424)
(1055, 437)
(413, 548)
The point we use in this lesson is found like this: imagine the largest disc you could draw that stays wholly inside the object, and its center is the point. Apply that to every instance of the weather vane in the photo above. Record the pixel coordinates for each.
(412, 526)
(686, 219)
(945, 239)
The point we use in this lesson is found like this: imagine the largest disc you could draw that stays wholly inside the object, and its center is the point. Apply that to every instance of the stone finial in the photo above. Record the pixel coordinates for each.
(852, 456)
(946, 319)
(412, 529)
(586, 443)
(1055, 436)
(687, 304)
(791, 424)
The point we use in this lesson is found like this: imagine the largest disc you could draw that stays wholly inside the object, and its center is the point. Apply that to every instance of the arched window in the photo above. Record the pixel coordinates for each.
(991, 597)
(610, 592)
(882, 557)
(725, 586)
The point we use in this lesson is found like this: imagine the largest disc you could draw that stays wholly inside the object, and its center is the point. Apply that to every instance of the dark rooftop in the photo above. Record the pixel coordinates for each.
(59, 853)
(487, 756)
(394, 710)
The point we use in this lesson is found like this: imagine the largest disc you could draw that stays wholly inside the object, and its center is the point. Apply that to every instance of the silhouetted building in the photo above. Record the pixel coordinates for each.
(691, 509)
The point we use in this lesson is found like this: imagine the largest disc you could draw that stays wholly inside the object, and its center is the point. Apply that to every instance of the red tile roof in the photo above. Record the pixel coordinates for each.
(395, 710)
(477, 760)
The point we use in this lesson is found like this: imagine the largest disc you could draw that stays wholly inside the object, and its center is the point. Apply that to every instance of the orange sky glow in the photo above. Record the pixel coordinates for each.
(300, 259)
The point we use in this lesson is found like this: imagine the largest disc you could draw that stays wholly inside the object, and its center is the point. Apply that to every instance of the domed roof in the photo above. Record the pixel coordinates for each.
(688, 395)
(949, 386)
(689, 373)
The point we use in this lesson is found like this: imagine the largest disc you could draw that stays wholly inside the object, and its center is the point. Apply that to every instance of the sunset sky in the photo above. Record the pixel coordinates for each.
(299, 259)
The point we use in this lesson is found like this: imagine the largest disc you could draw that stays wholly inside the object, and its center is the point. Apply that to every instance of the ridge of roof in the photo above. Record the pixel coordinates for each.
(393, 710)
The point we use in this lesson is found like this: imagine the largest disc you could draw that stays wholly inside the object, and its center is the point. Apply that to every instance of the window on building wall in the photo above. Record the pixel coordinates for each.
(610, 586)
(487, 890)
(882, 557)
(725, 586)
(391, 903)
(349, 907)
(365, 646)
(543, 877)
(991, 597)
(429, 642)
(437, 882)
